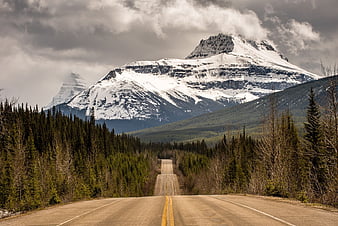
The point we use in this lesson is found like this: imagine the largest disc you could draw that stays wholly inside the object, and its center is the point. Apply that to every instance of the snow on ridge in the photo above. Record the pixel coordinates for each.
(140, 89)
(128, 83)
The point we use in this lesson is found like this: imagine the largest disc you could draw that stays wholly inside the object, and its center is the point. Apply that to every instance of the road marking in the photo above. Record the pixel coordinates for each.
(89, 211)
(164, 213)
(168, 207)
(256, 210)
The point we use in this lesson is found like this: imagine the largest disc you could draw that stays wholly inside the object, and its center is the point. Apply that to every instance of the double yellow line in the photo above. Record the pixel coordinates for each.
(168, 214)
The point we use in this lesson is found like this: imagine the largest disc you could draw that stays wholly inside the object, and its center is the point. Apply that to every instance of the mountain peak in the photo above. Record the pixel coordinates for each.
(223, 43)
(214, 45)
(72, 85)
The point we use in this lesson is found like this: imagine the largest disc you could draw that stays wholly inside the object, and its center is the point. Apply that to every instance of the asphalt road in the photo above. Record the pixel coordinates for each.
(179, 210)
(167, 182)
(119, 211)
(246, 210)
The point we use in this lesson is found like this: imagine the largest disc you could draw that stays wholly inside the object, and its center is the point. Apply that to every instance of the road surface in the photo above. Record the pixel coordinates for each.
(167, 182)
(246, 210)
(179, 210)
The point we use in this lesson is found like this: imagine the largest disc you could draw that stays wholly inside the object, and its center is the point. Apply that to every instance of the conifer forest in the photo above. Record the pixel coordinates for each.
(47, 158)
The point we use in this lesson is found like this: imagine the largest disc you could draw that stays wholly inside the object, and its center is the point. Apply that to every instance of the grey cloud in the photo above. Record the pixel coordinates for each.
(21, 5)
(220, 3)
(293, 35)
(130, 4)
(26, 7)
(75, 26)
(268, 8)
(322, 17)
(70, 33)
(320, 14)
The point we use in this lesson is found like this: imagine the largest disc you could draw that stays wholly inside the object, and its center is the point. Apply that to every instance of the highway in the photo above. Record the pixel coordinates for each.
(170, 208)
(246, 210)
(167, 182)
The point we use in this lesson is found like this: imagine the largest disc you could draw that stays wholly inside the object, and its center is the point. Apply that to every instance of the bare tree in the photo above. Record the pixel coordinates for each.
(330, 133)
(330, 117)
(269, 152)
(215, 175)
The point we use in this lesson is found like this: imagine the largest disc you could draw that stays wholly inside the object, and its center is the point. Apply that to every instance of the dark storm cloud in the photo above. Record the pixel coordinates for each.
(92, 27)
(22, 5)
(20, 8)
(44, 29)
(44, 39)
(32, 23)
(20, 18)
(130, 4)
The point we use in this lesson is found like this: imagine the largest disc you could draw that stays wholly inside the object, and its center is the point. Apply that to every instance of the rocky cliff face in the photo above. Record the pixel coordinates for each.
(222, 71)
(212, 46)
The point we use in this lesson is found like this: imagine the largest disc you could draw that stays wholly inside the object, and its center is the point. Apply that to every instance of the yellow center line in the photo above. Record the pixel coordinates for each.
(168, 207)
(164, 213)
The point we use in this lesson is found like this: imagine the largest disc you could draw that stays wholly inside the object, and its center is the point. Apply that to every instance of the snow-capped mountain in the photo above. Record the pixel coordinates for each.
(72, 85)
(222, 71)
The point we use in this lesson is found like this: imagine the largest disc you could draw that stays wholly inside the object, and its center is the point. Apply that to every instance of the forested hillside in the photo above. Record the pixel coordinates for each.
(47, 158)
(212, 126)
(281, 163)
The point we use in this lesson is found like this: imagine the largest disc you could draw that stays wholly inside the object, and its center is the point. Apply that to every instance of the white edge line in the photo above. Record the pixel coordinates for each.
(89, 211)
(258, 211)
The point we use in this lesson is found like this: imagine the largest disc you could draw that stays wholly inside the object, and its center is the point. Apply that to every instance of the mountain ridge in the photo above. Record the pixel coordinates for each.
(250, 115)
(151, 93)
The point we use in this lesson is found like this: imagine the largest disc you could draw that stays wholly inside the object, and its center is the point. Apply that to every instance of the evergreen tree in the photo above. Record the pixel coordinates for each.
(314, 148)
(312, 126)
(32, 183)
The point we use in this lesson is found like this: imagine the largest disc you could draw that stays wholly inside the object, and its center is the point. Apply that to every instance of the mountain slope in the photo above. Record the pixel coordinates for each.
(222, 71)
(72, 85)
(251, 115)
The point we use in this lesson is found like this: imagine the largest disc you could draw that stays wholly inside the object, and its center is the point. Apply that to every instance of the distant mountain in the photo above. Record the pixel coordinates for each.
(222, 71)
(233, 119)
(72, 85)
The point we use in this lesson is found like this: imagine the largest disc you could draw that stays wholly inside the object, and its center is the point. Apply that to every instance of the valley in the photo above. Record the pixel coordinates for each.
(180, 112)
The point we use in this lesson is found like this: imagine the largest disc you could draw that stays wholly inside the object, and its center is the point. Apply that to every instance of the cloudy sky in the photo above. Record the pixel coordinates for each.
(43, 41)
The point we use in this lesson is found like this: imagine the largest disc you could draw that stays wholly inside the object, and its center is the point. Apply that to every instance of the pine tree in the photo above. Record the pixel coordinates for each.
(314, 150)
(312, 127)
(32, 185)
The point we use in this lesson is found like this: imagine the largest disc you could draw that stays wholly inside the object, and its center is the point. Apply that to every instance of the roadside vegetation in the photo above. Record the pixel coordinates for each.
(280, 163)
